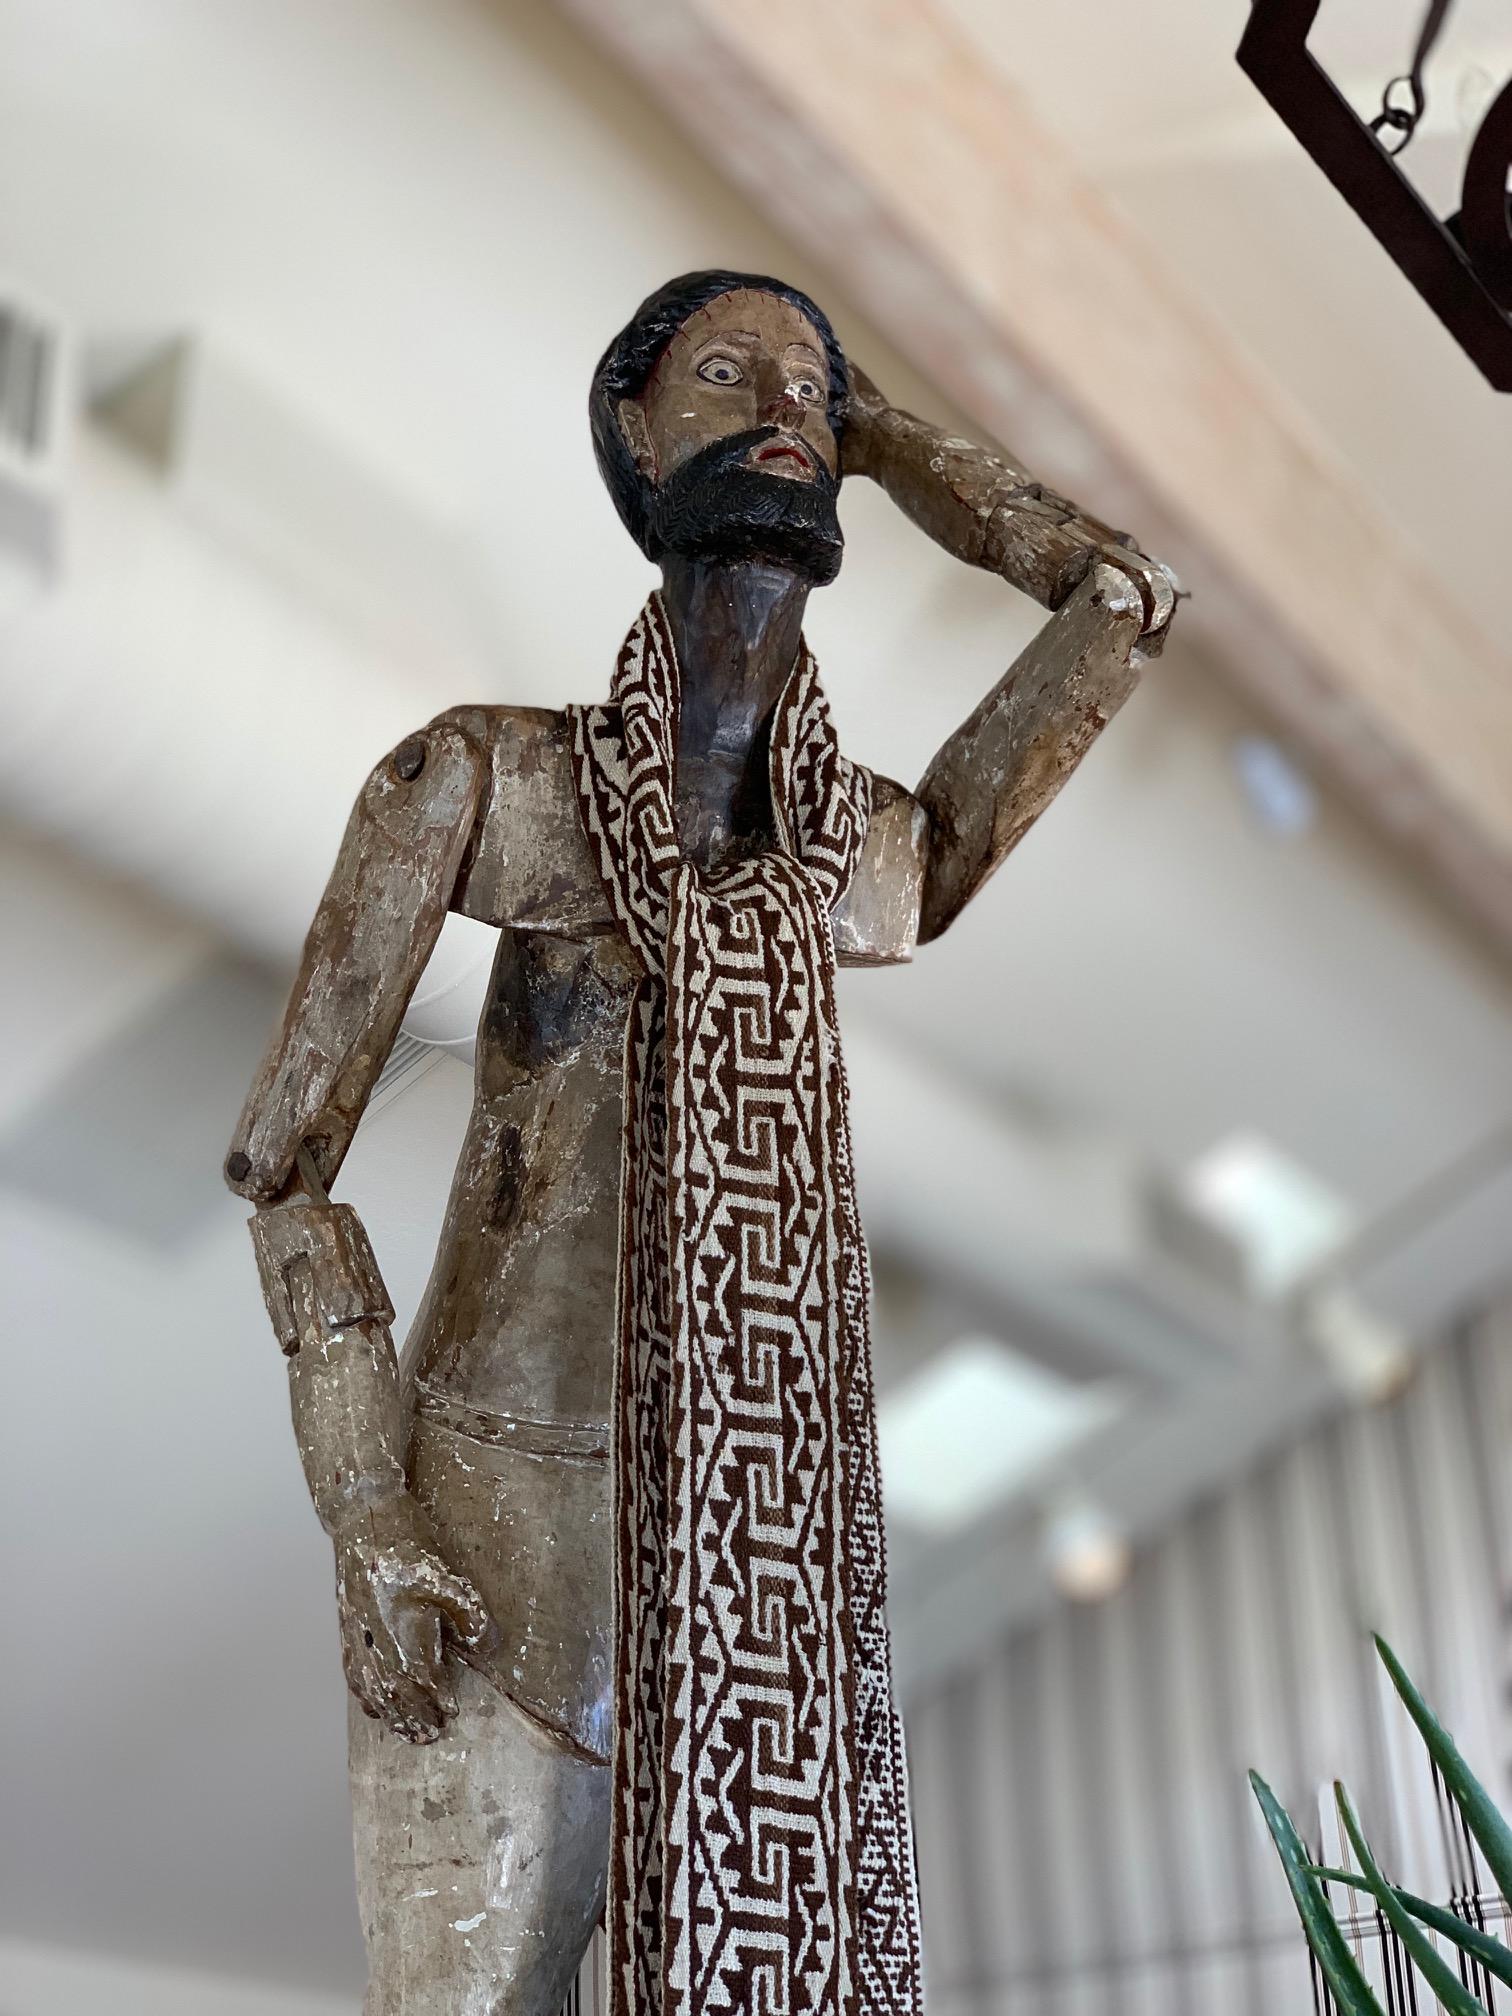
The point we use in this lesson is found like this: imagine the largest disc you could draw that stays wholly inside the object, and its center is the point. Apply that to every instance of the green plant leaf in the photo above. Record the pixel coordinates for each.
(1350, 1988)
(1492, 1834)
(1435, 1970)
(1482, 1946)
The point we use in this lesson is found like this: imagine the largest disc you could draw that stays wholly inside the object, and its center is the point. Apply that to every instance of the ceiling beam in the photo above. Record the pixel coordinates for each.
(881, 141)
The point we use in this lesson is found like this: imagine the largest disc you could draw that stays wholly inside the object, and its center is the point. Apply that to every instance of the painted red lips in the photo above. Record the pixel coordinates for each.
(785, 451)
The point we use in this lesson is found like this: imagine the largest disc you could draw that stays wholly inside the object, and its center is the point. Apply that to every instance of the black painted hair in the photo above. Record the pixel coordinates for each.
(626, 366)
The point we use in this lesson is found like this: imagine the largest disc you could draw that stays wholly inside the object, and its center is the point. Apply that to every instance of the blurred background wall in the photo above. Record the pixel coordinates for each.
(1185, 1157)
(1086, 1836)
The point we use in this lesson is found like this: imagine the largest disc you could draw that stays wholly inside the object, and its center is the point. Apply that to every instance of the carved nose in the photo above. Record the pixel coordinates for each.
(783, 409)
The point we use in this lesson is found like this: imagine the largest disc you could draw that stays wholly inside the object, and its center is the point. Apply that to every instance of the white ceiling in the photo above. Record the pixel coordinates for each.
(1117, 88)
(1154, 108)
(416, 227)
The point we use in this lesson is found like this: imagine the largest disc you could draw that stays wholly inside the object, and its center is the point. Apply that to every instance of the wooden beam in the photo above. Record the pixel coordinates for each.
(880, 140)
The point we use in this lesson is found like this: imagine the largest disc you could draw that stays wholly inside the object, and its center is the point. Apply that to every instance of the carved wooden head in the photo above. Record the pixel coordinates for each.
(718, 414)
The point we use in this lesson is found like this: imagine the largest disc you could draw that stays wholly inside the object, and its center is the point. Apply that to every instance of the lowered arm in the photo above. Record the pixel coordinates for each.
(376, 926)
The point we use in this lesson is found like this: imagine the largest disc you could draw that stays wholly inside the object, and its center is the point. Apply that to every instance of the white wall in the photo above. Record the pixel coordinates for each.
(49, 1981)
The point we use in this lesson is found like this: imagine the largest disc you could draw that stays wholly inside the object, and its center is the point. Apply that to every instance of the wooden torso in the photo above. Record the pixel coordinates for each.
(510, 1359)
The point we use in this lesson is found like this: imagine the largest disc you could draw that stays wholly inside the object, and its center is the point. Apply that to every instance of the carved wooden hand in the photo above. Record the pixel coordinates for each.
(396, 1597)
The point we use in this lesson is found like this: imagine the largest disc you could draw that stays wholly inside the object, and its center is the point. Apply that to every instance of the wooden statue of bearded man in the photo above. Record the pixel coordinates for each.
(608, 1537)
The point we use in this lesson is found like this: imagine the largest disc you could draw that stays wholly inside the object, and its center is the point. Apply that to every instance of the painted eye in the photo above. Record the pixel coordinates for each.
(720, 371)
(808, 389)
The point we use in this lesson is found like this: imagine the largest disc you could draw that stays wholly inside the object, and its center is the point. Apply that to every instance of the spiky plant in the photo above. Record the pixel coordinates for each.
(1406, 1914)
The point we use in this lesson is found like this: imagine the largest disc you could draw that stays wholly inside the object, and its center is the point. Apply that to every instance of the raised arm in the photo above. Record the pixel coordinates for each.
(1113, 607)
(376, 926)
(991, 513)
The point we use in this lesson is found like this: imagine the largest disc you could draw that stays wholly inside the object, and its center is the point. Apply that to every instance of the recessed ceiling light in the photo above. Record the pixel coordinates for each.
(1088, 1553)
(1280, 793)
(976, 1424)
(1285, 1219)
(1371, 1359)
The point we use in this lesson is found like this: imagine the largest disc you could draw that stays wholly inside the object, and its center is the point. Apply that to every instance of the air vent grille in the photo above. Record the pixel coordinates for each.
(28, 376)
(408, 1061)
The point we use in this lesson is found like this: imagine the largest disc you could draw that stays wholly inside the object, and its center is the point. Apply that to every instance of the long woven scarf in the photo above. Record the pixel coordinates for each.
(761, 1856)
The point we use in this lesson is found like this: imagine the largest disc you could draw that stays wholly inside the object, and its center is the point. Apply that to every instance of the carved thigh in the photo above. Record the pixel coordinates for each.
(481, 1861)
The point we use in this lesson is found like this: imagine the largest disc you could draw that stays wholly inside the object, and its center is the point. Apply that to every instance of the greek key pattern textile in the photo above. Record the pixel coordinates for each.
(761, 1855)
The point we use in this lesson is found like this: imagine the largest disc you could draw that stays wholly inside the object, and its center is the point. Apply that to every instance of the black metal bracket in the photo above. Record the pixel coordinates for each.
(1464, 287)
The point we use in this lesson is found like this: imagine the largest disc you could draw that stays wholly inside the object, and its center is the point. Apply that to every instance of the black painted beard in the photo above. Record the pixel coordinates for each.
(716, 507)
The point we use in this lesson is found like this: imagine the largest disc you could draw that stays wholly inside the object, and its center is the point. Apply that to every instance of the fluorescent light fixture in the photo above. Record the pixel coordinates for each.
(976, 1424)
(1285, 1219)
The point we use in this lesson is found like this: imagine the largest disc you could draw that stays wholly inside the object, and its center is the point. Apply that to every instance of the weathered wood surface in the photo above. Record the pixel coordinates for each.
(377, 924)
(508, 1362)
(529, 867)
(324, 1247)
(1003, 766)
(528, 864)
(994, 514)
(468, 1489)
(876, 921)
(446, 1833)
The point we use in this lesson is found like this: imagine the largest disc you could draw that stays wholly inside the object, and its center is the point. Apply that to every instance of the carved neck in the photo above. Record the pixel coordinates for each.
(736, 630)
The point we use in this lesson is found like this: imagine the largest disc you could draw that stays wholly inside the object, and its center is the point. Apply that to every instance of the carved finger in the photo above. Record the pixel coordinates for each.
(374, 1663)
(462, 1607)
(402, 1698)
(422, 1653)
(366, 1679)
(413, 1710)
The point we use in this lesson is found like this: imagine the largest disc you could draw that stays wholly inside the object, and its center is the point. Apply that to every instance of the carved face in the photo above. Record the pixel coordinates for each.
(733, 434)
(747, 361)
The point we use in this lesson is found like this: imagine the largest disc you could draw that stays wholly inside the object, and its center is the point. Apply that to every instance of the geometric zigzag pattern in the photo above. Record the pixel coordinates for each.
(761, 1853)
